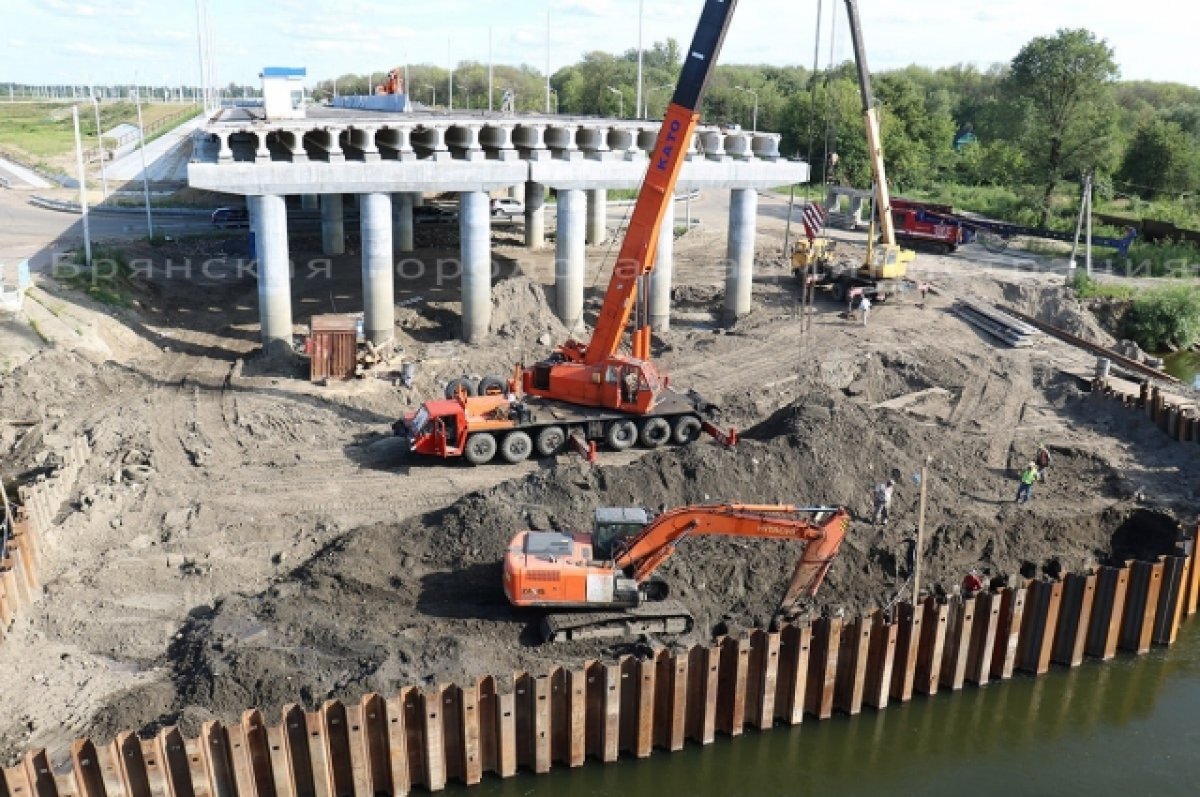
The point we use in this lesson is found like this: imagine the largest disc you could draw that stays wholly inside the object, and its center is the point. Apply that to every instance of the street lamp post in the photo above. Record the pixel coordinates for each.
(554, 92)
(754, 119)
(432, 95)
(649, 91)
(621, 99)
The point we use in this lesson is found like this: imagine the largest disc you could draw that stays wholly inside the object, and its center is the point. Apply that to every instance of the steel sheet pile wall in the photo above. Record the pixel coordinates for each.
(32, 520)
(1177, 421)
(424, 738)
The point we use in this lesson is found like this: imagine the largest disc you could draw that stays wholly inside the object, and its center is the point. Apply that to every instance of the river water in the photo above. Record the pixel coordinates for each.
(1185, 366)
(1128, 728)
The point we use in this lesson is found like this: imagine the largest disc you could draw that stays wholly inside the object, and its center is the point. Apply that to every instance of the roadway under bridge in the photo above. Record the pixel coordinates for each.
(387, 162)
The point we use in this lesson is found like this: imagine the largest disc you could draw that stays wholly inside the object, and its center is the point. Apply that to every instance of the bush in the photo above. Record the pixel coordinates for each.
(1165, 318)
(1088, 288)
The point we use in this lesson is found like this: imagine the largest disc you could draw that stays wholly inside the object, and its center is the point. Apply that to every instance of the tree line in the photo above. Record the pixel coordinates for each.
(1039, 123)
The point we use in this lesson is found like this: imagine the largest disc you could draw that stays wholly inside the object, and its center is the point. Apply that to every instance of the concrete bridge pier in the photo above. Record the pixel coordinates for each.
(475, 234)
(739, 268)
(268, 219)
(535, 215)
(663, 274)
(402, 222)
(570, 256)
(333, 232)
(378, 281)
(597, 208)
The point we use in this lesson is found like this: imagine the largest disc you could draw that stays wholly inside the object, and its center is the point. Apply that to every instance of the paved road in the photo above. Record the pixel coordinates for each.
(17, 175)
(31, 232)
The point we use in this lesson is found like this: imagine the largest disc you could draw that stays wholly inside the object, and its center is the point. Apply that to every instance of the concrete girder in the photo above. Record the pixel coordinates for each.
(499, 139)
(594, 142)
(431, 139)
(293, 142)
(560, 139)
(262, 153)
(530, 138)
(363, 139)
(463, 141)
(397, 139)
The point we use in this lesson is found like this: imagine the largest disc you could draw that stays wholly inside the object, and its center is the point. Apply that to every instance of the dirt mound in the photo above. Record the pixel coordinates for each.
(521, 311)
(1059, 306)
(421, 601)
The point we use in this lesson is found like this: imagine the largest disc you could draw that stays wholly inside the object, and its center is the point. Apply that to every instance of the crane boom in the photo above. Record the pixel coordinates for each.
(636, 258)
(883, 199)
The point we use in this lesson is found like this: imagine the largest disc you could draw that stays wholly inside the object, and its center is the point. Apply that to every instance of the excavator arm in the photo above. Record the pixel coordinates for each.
(656, 542)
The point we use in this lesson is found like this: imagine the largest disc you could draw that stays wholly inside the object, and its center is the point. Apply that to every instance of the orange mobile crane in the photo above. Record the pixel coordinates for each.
(591, 391)
(613, 567)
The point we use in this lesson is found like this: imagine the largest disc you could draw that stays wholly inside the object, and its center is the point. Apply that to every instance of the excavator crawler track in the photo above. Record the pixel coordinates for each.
(661, 617)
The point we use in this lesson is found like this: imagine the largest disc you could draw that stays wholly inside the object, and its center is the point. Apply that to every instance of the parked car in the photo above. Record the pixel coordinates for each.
(507, 208)
(231, 218)
(433, 214)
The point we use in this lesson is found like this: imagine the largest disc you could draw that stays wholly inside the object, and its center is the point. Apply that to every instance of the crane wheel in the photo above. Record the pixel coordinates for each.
(687, 429)
(550, 440)
(480, 448)
(462, 383)
(516, 447)
(621, 435)
(492, 386)
(654, 432)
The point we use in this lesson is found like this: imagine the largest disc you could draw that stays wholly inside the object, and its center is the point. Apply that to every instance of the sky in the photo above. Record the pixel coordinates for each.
(106, 41)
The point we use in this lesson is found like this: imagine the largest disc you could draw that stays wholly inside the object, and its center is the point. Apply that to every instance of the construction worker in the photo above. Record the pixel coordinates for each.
(1028, 477)
(865, 306)
(1042, 460)
(972, 583)
(882, 498)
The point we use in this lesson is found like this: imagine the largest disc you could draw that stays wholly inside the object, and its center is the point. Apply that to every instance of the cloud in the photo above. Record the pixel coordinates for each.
(604, 9)
(59, 7)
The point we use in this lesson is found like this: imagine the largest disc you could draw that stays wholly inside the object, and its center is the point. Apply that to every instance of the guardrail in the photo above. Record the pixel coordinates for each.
(428, 737)
(73, 207)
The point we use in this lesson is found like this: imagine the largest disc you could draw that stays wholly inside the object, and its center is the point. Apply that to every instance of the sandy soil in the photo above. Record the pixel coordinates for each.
(244, 538)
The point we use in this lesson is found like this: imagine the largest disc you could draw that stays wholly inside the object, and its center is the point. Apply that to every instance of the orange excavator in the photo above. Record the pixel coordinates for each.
(589, 392)
(613, 567)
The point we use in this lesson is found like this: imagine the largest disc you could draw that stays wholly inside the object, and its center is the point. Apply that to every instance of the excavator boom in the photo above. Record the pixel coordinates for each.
(646, 552)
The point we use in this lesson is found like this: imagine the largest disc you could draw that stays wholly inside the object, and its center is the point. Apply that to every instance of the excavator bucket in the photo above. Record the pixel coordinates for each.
(814, 564)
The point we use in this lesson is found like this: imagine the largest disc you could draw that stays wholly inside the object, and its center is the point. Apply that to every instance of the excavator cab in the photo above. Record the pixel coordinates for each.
(614, 528)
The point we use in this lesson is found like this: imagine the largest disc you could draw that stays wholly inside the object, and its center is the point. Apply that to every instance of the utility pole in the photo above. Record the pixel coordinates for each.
(450, 68)
(83, 203)
(200, 53)
(1083, 208)
(490, 64)
(638, 108)
(145, 176)
(100, 146)
(917, 551)
(547, 62)
(1088, 200)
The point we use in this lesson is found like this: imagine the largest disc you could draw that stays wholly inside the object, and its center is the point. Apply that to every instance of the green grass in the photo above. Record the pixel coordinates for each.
(1167, 259)
(33, 132)
(1090, 288)
(108, 280)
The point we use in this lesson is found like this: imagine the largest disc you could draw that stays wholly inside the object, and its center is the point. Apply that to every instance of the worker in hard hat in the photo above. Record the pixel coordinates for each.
(1027, 478)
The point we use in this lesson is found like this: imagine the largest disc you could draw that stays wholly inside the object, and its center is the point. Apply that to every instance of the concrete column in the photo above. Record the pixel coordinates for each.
(597, 210)
(570, 256)
(268, 216)
(379, 315)
(739, 273)
(402, 223)
(663, 273)
(308, 201)
(475, 232)
(333, 231)
(517, 192)
(535, 215)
